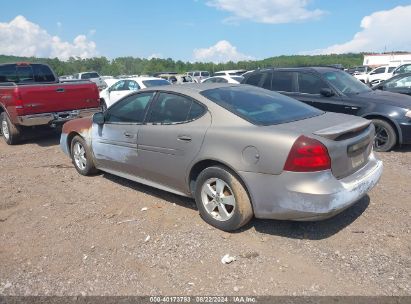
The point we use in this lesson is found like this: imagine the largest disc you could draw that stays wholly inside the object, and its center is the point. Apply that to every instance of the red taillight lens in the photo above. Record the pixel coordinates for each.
(307, 155)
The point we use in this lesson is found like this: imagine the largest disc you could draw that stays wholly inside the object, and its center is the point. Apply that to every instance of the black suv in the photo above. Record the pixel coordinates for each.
(333, 90)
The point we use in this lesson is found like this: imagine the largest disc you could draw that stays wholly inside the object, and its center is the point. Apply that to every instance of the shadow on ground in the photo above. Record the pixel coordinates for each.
(298, 230)
(164, 195)
(42, 138)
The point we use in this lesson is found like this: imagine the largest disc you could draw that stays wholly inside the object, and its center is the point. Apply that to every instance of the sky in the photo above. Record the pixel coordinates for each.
(202, 30)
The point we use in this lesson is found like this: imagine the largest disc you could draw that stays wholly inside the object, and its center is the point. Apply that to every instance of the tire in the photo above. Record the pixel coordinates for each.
(81, 157)
(10, 132)
(385, 136)
(238, 211)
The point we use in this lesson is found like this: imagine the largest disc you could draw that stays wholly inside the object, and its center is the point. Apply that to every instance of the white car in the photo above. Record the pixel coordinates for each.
(377, 75)
(230, 73)
(120, 88)
(223, 79)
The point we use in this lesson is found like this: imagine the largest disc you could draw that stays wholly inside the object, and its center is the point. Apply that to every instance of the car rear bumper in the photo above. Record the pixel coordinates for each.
(54, 118)
(309, 196)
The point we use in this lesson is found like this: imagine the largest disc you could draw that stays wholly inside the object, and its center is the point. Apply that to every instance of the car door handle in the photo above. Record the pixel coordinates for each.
(60, 90)
(128, 135)
(184, 138)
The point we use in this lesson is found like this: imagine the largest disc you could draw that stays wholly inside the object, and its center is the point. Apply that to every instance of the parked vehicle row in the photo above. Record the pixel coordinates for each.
(333, 90)
(382, 73)
(32, 95)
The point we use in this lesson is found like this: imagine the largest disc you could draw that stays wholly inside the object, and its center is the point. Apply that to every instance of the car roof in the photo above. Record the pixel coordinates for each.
(309, 68)
(191, 88)
(144, 78)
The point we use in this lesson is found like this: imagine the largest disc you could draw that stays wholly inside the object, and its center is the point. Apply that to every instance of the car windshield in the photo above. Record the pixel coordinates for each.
(345, 82)
(155, 82)
(259, 106)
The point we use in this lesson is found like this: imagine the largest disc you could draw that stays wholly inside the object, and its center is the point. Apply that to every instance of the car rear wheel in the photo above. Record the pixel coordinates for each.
(222, 200)
(10, 132)
(81, 157)
(385, 136)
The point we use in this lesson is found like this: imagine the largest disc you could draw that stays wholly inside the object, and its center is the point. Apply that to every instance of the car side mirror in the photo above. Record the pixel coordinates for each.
(380, 87)
(98, 118)
(326, 92)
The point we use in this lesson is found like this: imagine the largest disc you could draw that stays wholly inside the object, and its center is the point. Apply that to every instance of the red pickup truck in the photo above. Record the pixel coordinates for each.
(31, 95)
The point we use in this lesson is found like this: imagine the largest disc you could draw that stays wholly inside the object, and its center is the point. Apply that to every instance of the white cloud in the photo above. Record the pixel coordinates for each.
(267, 11)
(20, 37)
(222, 51)
(380, 31)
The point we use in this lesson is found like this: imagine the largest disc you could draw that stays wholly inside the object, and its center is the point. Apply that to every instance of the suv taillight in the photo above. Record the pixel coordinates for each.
(307, 155)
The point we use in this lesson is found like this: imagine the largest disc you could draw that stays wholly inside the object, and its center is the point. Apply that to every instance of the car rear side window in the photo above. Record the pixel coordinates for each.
(283, 81)
(260, 107)
(170, 108)
(131, 109)
(310, 84)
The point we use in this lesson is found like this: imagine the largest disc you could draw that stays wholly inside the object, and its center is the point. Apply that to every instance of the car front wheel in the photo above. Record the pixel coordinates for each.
(222, 200)
(81, 157)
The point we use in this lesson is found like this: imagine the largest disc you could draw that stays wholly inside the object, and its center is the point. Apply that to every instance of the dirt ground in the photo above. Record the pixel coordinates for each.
(65, 234)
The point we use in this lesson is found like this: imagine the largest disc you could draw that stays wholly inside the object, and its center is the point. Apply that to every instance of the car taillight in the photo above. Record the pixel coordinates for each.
(307, 155)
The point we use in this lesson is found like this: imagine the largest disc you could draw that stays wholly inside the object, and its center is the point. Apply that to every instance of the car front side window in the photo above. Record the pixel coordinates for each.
(131, 109)
(310, 84)
(170, 108)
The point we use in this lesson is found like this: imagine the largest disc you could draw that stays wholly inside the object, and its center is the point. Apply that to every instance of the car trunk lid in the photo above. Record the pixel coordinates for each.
(347, 138)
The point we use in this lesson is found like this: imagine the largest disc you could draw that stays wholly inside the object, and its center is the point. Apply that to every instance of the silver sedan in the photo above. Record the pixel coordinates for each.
(238, 150)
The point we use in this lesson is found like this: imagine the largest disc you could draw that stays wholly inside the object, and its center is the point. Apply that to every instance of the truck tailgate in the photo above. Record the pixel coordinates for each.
(57, 97)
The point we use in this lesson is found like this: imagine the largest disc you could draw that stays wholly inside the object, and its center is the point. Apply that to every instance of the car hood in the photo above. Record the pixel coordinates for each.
(384, 97)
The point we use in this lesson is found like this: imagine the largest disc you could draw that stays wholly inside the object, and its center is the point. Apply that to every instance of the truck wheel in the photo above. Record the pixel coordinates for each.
(222, 200)
(82, 157)
(10, 132)
(385, 136)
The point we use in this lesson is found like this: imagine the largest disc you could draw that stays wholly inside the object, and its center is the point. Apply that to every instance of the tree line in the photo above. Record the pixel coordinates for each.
(143, 66)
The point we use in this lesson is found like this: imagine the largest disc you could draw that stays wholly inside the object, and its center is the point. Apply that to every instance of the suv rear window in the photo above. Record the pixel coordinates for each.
(260, 107)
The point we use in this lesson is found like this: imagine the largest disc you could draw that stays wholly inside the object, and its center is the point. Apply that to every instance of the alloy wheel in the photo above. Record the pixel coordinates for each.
(218, 199)
(79, 155)
(381, 137)
(5, 129)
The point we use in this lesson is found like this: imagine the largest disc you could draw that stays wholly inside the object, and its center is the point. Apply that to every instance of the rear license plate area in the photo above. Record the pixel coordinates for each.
(358, 160)
(359, 152)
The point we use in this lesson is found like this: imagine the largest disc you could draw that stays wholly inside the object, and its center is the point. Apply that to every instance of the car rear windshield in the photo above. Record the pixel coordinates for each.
(26, 73)
(155, 82)
(259, 106)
